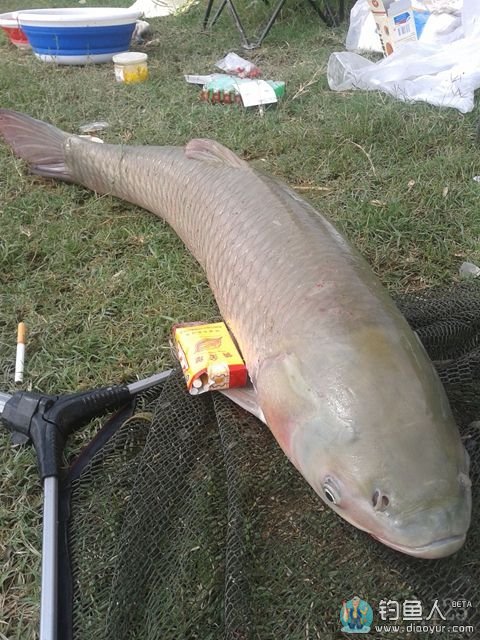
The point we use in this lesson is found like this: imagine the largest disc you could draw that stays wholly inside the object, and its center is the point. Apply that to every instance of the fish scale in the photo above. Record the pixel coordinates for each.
(215, 210)
(205, 209)
(340, 378)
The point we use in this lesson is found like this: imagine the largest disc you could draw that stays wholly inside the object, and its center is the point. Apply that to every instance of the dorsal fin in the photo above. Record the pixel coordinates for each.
(212, 151)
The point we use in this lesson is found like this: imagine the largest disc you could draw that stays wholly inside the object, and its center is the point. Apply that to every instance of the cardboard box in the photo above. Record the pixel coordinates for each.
(395, 23)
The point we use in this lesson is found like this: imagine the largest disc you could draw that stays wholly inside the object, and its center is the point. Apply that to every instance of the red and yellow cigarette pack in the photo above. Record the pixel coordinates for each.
(209, 357)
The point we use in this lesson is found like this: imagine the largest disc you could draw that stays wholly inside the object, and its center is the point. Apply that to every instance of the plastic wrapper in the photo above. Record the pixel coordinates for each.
(235, 65)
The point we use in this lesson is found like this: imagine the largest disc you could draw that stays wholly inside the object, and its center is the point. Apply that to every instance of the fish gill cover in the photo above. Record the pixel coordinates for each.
(189, 522)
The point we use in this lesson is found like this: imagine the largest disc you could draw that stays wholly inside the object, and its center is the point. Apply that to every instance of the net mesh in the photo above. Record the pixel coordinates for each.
(191, 523)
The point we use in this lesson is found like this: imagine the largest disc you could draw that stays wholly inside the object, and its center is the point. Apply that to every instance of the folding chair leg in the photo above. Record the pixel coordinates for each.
(216, 15)
(236, 18)
(333, 16)
(268, 25)
(218, 12)
(207, 14)
(234, 14)
(329, 19)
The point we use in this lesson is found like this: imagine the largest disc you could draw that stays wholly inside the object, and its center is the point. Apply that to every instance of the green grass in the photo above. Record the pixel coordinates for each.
(99, 282)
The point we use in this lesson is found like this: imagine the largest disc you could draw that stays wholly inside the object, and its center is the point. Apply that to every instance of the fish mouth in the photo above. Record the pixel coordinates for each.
(436, 549)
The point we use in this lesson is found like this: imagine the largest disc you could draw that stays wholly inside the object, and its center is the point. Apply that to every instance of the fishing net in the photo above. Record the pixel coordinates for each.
(186, 521)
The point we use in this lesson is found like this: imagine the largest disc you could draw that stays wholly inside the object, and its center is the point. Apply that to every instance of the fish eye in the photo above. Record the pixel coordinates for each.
(329, 495)
(331, 492)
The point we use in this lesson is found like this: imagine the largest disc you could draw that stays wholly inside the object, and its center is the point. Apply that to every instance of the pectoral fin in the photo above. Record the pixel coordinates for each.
(246, 398)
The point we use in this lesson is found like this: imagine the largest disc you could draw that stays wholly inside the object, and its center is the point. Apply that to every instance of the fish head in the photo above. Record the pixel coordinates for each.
(378, 443)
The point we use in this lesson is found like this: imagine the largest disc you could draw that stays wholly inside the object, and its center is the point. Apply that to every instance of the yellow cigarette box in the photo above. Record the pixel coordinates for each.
(209, 357)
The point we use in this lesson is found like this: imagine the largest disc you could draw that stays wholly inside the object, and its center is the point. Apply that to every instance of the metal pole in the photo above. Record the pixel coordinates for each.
(263, 32)
(207, 14)
(236, 18)
(48, 597)
(35, 415)
(146, 383)
(218, 12)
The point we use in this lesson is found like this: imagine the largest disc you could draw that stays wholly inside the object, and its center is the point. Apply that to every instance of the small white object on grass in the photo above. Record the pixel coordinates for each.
(469, 270)
(20, 358)
(142, 31)
(93, 127)
(91, 138)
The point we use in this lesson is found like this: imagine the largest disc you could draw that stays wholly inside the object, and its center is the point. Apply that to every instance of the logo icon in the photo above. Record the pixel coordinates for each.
(356, 616)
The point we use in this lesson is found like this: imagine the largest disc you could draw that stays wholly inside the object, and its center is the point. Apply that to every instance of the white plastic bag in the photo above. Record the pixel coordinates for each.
(362, 33)
(444, 24)
(471, 18)
(445, 75)
(157, 8)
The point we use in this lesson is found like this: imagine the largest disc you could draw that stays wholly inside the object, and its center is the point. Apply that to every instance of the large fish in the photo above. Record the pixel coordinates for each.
(339, 377)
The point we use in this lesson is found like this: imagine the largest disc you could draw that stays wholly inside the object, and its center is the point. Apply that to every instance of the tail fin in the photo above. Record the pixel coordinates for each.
(40, 144)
